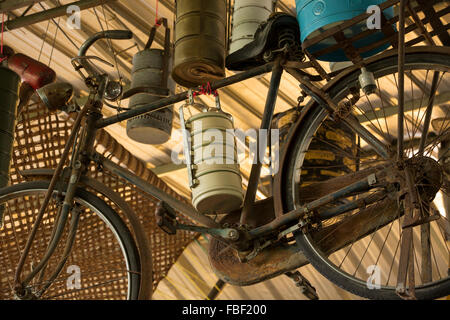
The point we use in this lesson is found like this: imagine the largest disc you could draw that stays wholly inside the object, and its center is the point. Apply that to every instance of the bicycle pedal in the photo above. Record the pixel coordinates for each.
(304, 285)
(166, 218)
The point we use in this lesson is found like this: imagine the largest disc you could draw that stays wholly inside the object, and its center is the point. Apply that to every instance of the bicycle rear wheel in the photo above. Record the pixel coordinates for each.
(367, 262)
(103, 262)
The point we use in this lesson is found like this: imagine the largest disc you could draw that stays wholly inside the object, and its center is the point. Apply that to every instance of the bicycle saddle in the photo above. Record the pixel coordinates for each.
(271, 35)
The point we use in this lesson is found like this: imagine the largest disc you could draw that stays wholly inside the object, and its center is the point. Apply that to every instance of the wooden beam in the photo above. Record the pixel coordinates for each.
(51, 13)
(8, 5)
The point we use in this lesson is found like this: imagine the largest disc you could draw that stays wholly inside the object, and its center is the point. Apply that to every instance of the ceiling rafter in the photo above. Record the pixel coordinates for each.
(60, 11)
(8, 5)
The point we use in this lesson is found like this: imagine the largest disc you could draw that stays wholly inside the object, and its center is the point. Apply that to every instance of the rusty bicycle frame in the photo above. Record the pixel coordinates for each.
(277, 223)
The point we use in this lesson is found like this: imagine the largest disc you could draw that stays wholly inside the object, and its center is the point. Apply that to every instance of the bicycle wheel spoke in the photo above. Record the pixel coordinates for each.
(103, 262)
(393, 261)
(84, 289)
(428, 112)
(435, 261)
(384, 243)
(411, 251)
(401, 80)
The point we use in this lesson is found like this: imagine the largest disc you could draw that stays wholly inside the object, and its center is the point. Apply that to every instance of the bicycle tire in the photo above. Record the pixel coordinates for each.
(105, 213)
(432, 290)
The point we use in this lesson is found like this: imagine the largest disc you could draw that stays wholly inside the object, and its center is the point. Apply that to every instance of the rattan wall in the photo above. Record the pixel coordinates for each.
(40, 140)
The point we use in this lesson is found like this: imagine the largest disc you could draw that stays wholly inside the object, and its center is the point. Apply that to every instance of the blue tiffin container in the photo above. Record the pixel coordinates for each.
(316, 16)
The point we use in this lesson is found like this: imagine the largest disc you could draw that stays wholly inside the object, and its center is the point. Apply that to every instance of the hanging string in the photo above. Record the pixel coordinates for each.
(45, 35)
(53, 45)
(206, 91)
(157, 22)
(3, 28)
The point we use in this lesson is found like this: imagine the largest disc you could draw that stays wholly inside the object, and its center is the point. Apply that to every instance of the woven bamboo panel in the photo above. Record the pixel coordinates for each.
(40, 140)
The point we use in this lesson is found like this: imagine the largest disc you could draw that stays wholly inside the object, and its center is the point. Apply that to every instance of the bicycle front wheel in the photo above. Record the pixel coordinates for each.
(102, 261)
(355, 241)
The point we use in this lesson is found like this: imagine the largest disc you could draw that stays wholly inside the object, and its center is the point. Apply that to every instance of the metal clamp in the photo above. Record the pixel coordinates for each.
(190, 97)
(187, 143)
(218, 106)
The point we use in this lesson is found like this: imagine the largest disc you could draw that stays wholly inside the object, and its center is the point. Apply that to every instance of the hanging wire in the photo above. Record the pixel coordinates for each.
(53, 44)
(157, 14)
(109, 42)
(45, 38)
(60, 29)
(3, 29)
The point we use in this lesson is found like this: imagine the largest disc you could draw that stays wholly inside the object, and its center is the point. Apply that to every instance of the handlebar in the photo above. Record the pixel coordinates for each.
(110, 34)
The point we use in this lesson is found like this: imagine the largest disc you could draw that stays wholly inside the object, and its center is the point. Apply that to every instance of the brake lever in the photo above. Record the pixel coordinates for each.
(83, 59)
(88, 67)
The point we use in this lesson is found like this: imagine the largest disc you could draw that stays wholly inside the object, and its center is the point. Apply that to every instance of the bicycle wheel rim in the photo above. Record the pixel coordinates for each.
(313, 121)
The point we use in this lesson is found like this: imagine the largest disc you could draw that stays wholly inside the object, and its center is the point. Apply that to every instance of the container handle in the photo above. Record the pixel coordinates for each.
(186, 147)
(167, 53)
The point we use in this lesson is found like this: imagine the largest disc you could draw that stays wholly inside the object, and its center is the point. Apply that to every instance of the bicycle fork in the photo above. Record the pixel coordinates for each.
(78, 166)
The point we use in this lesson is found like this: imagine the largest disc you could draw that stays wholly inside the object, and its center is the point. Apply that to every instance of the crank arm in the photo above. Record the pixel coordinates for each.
(166, 219)
(225, 233)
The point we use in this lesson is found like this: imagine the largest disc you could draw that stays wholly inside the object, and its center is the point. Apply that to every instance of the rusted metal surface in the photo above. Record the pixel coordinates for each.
(401, 80)
(285, 152)
(301, 212)
(425, 244)
(405, 259)
(276, 260)
(321, 189)
(270, 263)
(358, 226)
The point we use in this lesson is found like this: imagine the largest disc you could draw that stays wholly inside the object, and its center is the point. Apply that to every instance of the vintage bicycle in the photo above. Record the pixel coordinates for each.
(388, 200)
